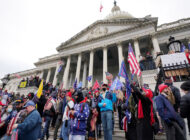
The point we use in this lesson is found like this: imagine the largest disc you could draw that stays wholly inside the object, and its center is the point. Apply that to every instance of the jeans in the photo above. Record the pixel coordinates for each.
(65, 130)
(46, 128)
(76, 137)
(57, 126)
(5, 137)
(107, 124)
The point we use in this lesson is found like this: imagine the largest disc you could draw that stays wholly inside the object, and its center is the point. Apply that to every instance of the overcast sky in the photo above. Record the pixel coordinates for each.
(32, 29)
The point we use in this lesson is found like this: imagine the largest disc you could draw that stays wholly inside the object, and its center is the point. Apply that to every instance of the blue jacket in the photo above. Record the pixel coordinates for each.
(109, 99)
(79, 123)
(31, 127)
(166, 110)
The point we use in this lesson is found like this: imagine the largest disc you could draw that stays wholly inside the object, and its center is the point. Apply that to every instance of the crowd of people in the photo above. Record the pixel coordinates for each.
(83, 113)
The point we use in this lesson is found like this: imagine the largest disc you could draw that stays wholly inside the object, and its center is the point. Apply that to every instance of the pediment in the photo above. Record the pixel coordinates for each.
(101, 29)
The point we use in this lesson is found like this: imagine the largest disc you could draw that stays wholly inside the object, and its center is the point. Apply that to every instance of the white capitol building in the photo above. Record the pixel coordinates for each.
(102, 46)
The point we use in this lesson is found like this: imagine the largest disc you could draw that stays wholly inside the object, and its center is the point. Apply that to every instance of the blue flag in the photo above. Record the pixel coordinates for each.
(60, 68)
(89, 78)
(75, 84)
(116, 85)
(183, 48)
(123, 73)
(79, 85)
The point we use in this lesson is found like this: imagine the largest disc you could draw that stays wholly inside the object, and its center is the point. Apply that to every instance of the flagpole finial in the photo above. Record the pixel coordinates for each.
(115, 3)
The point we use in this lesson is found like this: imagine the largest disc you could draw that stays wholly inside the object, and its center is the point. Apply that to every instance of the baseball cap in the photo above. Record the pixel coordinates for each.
(29, 103)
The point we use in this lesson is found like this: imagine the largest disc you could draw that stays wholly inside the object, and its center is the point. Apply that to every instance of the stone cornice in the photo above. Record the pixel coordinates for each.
(48, 59)
(173, 29)
(140, 21)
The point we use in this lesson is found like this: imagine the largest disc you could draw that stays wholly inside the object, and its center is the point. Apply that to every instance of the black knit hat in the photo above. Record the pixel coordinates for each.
(185, 86)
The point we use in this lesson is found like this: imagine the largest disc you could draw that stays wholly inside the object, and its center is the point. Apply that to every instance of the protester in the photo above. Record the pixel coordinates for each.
(48, 113)
(106, 107)
(145, 113)
(66, 116)
(79, 122)
(185, 102)
(31, 127)
(173, 123)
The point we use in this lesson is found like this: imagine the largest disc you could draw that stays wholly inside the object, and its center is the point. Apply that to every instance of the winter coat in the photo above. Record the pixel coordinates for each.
(109, 99)
(185, 106)
(143, 126)
(166, 110)
(31, 127)
(79, 123)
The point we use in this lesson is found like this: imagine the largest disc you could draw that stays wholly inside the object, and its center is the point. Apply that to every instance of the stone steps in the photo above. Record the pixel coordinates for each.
(118, 134)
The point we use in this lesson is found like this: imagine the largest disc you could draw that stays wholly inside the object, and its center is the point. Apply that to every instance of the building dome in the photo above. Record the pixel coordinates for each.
(116, 13)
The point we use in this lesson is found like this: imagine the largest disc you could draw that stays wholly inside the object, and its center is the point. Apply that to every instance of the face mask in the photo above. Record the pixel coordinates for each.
(9, 110)
(104, 89)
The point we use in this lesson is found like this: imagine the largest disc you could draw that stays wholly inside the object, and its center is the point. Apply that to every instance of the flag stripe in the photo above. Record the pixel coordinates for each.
(134, 65)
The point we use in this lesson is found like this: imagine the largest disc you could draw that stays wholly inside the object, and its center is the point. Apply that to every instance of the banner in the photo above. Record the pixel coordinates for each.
(23, 84)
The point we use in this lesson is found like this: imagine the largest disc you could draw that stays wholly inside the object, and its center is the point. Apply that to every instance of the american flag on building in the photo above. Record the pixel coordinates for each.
(133, 64)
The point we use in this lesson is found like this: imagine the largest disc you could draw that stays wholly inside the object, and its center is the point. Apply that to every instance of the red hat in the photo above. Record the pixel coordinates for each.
(96, 91)
(162, 87)
(1, 104)
(89, 92)
(69, 94)
(148, 92)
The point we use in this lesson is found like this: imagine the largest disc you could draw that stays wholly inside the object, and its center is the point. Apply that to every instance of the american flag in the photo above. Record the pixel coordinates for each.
(101, 7)
(60, 62)
(134, 65)
(109, 76)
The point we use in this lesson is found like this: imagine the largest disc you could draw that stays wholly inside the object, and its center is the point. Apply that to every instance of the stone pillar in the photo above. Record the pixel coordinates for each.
(120, 54)
(41, 74)
(55, 76)
(78, 68)
(70, 80)
(66, 72)
(120, 57)
(137, 49)
(48, 75)
(155, 45)
(105, 64)
(84, 75)
(91, 63)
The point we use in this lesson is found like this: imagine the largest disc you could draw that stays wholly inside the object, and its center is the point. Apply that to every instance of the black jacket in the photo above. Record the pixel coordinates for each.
(185, 106)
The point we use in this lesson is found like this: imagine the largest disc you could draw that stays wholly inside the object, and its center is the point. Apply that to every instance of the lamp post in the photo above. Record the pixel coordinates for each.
(5, 80)
(174, 45)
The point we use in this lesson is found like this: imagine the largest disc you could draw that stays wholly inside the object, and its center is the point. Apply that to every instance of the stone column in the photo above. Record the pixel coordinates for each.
(41, 74)
(55, 76)
(91, 63)
(120, 57)
(155, 44)
(48, 75)
(120, 54)
(78, 68)
(137, 49)
(66, 72)
(84, 75)
(70, 80)
(105, 64)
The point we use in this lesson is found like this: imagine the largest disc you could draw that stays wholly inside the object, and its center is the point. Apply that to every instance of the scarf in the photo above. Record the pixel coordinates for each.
(149, 95)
